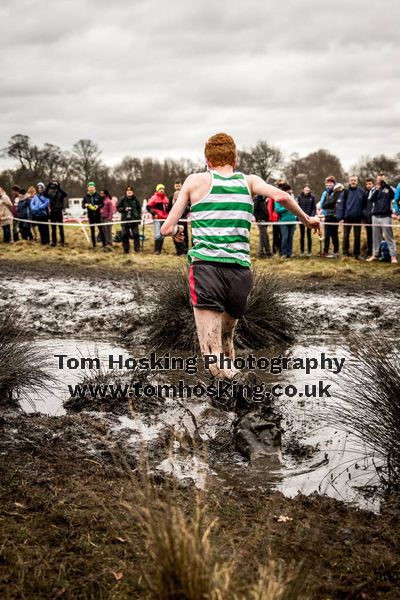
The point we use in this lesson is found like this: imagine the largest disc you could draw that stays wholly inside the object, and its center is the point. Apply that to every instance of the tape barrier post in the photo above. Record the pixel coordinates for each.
(84, 232)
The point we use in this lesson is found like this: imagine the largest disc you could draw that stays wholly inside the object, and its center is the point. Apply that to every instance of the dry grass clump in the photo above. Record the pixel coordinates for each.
(184, 561)
(23, 369)
(267, 319)
(370, 404)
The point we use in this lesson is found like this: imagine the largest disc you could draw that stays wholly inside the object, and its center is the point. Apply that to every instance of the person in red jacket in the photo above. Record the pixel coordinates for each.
(158, 206)
(106, 214)
(276, 231)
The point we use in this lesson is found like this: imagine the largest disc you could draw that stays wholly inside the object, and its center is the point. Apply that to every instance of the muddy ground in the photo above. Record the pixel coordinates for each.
(97, 306)
(67, 531)
(68, 482)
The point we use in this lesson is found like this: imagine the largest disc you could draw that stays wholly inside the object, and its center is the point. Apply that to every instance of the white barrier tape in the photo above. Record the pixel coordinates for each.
(79, 223)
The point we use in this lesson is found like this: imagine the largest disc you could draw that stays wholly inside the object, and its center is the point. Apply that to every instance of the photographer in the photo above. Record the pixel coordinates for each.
(130, 209)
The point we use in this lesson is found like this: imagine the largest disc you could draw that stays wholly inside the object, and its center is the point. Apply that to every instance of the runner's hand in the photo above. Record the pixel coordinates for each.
(315, 224)
(179, 236)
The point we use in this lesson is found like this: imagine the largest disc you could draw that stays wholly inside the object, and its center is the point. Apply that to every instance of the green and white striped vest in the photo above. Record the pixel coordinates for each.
(221, 221)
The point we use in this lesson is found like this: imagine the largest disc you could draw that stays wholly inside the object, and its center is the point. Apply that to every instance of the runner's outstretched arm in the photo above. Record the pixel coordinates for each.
(181, 203)
(259, 186)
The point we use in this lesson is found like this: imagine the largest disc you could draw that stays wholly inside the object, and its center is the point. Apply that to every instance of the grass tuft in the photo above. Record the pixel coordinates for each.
(23, 369)
(266, 321)
(370, 403)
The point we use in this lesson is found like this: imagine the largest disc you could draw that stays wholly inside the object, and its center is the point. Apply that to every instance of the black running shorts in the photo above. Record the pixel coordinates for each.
(220, 287)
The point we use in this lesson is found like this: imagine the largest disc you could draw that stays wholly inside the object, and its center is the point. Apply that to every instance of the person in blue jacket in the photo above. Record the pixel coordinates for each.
(350, 209)
(40, 213)
(397, 200)
(287, 228)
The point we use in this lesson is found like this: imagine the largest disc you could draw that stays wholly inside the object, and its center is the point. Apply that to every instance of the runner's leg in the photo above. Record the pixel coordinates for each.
(209, 331)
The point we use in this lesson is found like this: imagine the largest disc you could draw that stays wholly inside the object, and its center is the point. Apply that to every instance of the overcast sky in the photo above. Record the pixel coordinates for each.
(157, 77)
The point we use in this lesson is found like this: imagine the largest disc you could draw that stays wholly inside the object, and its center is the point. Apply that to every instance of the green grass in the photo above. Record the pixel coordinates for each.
(78, 252)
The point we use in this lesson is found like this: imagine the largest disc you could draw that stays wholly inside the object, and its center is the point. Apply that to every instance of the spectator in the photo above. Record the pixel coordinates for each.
(130, 209)
(106, 214)
(6, 215)
(276, 230)
(92, 202)
(307, 203)
(180, 247)
(287, 228)
(350, 209)
(57, 203)
(328, 203)
(158, 207)
(15, 196)
(261, 214)
(369, 188)
(381, 199)
(39, 207)
(24, 212)
(397, 200)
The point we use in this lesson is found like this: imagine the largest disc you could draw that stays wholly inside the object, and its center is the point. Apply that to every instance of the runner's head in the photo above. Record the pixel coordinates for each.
(220, 151)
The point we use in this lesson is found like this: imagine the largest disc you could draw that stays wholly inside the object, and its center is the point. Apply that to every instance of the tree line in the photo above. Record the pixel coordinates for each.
(83, 163)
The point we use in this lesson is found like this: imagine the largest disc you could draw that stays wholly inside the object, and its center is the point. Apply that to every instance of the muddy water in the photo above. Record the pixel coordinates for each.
(315, 457)
(91, 308)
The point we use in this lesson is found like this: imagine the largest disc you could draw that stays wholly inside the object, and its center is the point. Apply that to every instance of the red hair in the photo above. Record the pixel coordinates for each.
(220, 150)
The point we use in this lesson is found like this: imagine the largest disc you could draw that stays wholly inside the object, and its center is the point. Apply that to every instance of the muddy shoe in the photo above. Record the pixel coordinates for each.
(255, 437)
(235, 395)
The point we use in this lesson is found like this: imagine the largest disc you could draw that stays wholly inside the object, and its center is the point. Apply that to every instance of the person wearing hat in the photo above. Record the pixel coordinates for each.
(158, 206)
(92, 202)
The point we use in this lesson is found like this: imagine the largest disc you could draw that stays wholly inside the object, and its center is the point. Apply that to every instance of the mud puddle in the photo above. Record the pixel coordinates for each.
(314, 457)
(77, 307)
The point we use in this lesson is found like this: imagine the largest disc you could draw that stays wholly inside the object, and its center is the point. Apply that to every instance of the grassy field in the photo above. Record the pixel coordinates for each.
(79, 253)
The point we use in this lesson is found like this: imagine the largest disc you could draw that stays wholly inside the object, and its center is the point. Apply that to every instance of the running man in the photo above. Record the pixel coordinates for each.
(221, 213)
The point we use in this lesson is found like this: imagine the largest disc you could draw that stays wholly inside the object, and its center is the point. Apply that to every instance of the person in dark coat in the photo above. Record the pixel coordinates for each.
(350, 208)
(307, 203)
(131, 210)
(261, 214)
(367, 214)
(57, 203)
(23, 212)
(92, 202)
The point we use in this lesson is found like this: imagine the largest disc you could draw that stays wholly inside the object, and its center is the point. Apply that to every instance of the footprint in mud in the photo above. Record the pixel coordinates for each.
(256, 437)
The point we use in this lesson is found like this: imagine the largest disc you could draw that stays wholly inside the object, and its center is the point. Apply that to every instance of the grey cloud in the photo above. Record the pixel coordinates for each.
(157, 77)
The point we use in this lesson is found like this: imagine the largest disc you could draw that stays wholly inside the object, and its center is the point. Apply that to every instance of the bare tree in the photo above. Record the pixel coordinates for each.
(263, 159)
(372, 166)
(86, 161)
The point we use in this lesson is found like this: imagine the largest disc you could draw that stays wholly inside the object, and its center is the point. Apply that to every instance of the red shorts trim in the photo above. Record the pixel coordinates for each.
(191, 285)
